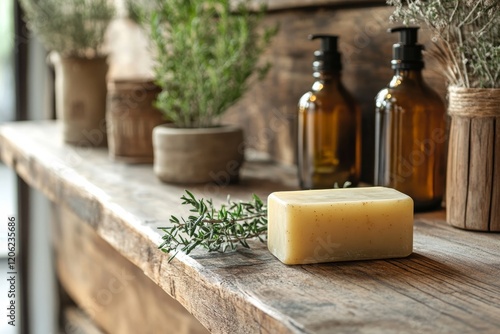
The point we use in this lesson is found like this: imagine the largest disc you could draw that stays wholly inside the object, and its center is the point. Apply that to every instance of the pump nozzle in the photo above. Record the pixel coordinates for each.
(327, 58)
(407, 36)
(328, 42)
(407, 54)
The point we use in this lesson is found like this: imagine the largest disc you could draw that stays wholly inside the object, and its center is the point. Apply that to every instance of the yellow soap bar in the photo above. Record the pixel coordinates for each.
(314, 226)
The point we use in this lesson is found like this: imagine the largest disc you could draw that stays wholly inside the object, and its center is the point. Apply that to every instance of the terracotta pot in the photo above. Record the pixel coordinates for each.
(473, 176)
(80, 88)
(202, 155)
(131, 117)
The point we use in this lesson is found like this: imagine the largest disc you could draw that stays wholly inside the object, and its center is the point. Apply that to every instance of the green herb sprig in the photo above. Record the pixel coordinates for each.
(219, 229)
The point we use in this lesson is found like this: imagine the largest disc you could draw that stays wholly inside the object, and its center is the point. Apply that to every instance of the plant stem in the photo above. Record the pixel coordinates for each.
(216, 229)
(460, 41)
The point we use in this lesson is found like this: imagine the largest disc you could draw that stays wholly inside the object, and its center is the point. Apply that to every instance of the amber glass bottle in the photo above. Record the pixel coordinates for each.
(329, 125)
(410, 128)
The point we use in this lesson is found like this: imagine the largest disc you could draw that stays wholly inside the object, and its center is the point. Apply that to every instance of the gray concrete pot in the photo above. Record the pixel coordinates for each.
(184, 155)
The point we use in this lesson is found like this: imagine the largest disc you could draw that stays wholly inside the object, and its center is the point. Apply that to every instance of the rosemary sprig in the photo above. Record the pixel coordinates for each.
(219, 229)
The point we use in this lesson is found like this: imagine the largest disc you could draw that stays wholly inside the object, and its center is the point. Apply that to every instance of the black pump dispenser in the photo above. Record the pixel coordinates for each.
(407, 54)
(327, 59)
(328, 124)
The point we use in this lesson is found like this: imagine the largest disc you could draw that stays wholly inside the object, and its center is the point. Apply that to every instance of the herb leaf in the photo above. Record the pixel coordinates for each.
(216, 229)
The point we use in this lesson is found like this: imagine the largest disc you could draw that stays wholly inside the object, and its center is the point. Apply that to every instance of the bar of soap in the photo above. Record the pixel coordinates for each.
(314, 226)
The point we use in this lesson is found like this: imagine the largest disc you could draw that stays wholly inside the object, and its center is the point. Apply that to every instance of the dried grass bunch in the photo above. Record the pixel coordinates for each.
(70, 27)
(466, 36)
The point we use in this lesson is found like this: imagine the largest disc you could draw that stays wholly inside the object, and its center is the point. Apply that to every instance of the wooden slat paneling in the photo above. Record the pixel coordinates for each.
(269, 110)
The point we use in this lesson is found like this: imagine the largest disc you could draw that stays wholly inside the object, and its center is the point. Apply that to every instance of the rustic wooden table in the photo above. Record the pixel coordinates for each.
(106, 237)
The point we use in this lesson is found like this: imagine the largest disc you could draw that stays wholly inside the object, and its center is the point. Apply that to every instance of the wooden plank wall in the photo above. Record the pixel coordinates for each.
(268, 110)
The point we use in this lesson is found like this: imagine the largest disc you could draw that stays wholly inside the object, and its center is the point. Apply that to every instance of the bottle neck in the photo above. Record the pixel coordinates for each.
(407, 76)
(327, 76)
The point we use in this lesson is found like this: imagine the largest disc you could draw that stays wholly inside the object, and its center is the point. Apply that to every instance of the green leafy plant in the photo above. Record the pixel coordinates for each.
(215, 229)
(70, 27)
(466, 33)
(206, 52)
(137, 10)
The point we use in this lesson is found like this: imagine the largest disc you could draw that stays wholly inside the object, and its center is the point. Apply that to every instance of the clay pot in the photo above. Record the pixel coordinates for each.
(185, 155)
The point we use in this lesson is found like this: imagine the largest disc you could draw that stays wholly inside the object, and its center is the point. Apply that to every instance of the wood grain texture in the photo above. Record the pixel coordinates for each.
(448, 285)
(457, 175)
(472, 194)
(495, 195)
(75, 321)
(131, 117)
(112, 291)
(481, 157)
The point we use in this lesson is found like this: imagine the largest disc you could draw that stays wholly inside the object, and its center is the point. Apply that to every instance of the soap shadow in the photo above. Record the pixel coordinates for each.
(256, 256)
(412, 267)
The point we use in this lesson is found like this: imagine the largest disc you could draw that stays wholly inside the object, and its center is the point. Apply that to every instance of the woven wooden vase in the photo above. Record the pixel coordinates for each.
(473, 177)
(131, 118)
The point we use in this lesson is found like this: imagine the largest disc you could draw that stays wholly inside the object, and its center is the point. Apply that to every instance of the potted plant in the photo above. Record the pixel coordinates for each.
(467, 35)
(74, 30)
(206, 55)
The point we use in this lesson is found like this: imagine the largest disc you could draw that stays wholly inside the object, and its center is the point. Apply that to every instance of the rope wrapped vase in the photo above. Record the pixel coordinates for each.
(473, 171)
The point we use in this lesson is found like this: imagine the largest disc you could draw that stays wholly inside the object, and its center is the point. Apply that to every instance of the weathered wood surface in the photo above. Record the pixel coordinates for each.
(130, 119)
(495, 197)
(449, 285)
(473, 176)
(75, 321)
(480, 174)
(457, 175)
(113, 292)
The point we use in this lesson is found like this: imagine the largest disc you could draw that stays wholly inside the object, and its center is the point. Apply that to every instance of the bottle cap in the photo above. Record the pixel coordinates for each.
(327, 59)
(407, 54)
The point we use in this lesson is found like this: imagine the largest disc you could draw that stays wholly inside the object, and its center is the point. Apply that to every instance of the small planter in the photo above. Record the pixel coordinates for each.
(473, 177)
(185, 155)
(131, 118)
(80, 88)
